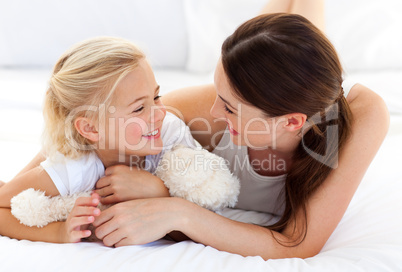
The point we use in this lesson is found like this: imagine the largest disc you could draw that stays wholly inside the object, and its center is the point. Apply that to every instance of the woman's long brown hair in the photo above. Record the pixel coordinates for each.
(281, 64)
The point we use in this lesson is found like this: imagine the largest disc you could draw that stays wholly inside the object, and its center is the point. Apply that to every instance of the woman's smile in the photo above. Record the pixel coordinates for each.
(232, 130)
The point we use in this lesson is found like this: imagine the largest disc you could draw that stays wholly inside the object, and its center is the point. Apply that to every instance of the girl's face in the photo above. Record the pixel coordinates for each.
(248, 125)
(134, 120)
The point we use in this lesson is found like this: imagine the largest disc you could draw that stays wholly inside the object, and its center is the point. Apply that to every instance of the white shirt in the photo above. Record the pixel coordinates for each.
(79, 175)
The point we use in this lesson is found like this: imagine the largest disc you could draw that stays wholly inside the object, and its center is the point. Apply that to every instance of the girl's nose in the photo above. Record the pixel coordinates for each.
(158, 113)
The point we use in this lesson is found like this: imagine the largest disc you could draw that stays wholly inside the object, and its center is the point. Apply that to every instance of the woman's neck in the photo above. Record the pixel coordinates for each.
(270, 162)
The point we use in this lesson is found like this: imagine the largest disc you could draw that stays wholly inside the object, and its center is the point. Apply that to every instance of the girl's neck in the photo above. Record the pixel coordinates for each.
(110, 159)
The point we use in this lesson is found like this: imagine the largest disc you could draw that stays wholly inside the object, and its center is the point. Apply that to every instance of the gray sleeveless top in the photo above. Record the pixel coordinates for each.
(257, 193)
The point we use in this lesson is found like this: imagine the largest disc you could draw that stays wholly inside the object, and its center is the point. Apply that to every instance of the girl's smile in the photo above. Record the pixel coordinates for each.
(153, 135)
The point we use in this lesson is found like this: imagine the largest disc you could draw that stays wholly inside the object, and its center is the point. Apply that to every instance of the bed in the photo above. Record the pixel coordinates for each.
(368, 238)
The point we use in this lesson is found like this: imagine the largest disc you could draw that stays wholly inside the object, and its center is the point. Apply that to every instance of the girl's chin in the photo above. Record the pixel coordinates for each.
(154, 151)
(145, 147)
(153, 147)
(143, 152)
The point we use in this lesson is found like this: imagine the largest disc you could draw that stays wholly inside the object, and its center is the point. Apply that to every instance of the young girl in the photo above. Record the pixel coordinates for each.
(102, 108)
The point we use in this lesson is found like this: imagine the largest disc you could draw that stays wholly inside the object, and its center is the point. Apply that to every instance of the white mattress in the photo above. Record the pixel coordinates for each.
(368, 238)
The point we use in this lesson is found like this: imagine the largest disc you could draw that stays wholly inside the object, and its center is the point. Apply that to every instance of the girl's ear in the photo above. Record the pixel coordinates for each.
(295, 121)
(86, 128)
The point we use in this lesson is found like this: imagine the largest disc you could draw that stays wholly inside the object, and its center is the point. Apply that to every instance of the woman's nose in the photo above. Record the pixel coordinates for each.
(215, 111)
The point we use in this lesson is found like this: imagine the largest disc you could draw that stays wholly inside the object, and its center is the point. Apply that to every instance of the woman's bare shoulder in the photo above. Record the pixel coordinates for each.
(360, 94)
(193, 105)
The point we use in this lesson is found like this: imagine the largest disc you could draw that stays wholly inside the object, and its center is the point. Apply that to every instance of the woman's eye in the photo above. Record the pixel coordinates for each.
(227, 109)
(139, 109)
(157, 97)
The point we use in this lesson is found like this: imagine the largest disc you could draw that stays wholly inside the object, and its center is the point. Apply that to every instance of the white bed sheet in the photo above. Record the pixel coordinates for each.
(368, 238)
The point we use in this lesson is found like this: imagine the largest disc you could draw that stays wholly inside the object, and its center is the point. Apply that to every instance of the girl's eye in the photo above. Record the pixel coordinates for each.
(139, 109)
(227, 109)
(156, 98)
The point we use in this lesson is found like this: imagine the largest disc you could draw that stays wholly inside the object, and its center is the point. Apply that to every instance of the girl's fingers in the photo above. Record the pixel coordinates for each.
(77, 222)
(85, 211)
(82, 214)
(87, 201)
(77, 235)
(95, 195)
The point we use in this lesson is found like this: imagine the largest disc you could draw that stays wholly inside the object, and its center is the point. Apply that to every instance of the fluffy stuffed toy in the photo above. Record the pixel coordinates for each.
(193, 174)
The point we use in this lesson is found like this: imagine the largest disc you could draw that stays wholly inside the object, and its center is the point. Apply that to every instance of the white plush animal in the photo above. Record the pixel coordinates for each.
(193, 174)
(32, 208)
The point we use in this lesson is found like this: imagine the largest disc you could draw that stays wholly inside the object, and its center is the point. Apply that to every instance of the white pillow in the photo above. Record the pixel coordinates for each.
(209, 22)
(366, 33)
(36, 33)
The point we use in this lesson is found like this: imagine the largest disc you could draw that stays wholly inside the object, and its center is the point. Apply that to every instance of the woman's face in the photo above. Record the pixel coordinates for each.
(134, 119)
(248, 125)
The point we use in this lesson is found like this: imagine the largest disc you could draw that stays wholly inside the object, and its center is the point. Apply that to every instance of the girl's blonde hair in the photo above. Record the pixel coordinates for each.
(83, 79)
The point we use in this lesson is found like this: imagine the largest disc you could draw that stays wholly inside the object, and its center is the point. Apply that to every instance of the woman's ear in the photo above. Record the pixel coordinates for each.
(86, 128)
(295, 121)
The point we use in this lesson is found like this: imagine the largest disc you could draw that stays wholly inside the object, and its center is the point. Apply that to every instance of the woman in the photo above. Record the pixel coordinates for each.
(278, 93)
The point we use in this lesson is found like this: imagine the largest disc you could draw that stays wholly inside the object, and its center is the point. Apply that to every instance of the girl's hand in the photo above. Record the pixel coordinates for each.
(83, 213)
(2, 183)
(123, 183)
(139, 221)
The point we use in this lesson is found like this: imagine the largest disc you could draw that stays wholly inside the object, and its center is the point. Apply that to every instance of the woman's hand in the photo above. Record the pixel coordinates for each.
(123, 183)
(139, 221)
(83, 213)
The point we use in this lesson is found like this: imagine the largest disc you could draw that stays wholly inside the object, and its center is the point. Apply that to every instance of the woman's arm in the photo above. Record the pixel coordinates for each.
(193, 105)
